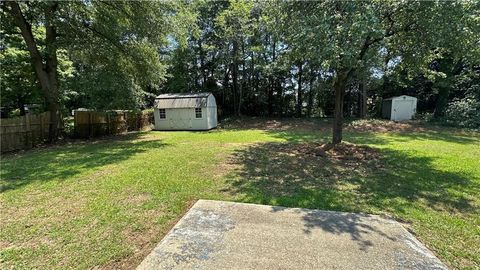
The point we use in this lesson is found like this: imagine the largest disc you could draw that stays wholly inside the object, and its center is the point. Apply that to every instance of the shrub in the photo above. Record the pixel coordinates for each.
(68, 126)
(425, 116)
(463, 112)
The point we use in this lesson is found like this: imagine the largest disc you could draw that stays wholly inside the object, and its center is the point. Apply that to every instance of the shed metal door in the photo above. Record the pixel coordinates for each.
(180, 119)
(403, 110)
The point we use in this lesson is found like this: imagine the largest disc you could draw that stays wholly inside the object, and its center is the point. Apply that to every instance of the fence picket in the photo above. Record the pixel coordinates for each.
(27, 131)
(22, 132)
(89, 124)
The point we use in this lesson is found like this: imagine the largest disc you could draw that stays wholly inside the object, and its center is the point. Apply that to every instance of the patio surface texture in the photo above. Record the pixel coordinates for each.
(227, 235)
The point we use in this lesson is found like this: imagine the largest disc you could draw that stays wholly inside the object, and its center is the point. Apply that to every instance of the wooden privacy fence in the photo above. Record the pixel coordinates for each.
(24, 132)
(89, 124)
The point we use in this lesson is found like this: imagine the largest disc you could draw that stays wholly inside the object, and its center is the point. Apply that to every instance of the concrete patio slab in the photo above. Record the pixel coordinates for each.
(227, 235)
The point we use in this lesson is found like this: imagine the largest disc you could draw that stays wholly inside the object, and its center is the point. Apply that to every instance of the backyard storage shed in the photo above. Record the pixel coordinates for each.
(399, 108)
(188, 111)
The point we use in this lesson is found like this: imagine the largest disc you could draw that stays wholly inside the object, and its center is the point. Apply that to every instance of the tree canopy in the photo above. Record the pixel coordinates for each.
(275, 58)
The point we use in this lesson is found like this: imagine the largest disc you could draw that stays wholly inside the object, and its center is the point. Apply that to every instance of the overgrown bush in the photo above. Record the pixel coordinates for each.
(148, 116)
(463, 113)
(424, 116)
(68, 126)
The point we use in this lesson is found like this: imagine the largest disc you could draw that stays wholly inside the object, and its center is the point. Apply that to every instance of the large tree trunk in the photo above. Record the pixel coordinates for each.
(45, 69)
(363, 99)
(235, 77)
(310, 92)
(270, 88)
(441, 102)
(202, 63)
(280, 98)
(21, 105)
(271, 78)
(251, 76)
(339, 86)
(299, 90)
(226, 79)
(242, 85)
(51, 69)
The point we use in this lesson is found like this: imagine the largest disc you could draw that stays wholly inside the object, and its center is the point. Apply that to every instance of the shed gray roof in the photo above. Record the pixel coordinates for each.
(402, 96)
(181, 100)
(183, 95)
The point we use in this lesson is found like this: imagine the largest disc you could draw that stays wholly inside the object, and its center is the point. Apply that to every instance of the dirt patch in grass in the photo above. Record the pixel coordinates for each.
(141, 242)
(381, 126)
(321, 124)
(285, 169)
(325, 125)
(341, 152)
(145, 137)
(133, 199)
(277, 124)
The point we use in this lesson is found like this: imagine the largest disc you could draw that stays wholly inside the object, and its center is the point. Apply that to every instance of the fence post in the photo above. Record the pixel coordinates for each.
(28, 139)
(90, 128)
(136, 121)
(108, 124)
(125, 121)
(42, 128)
(75, 124)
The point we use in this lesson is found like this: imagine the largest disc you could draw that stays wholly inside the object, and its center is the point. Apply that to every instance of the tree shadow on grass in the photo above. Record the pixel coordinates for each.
(62, 162)
(363, 180)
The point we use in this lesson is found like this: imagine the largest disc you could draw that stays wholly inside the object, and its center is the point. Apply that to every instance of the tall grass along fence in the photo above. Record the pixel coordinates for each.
(89, 124)
(24, 132)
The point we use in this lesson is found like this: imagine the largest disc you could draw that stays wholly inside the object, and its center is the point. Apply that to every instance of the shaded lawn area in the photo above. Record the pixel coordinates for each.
(108, 203)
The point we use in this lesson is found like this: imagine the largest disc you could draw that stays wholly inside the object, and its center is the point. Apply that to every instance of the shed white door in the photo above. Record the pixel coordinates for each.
(403, 110)
(180, 119)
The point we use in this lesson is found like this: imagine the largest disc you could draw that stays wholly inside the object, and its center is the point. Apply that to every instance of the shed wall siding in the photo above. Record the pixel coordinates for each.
(199, 123)
(181, 119)
(178, 117)
(212, 117)
(387, 109)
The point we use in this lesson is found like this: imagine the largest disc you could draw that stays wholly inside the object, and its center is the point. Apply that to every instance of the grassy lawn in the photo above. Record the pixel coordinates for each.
(107, 203)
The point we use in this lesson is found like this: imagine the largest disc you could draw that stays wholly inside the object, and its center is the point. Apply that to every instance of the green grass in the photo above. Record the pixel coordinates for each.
(107, 203)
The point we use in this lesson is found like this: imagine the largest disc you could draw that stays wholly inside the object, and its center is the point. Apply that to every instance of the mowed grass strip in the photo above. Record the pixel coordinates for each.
(107, 203)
